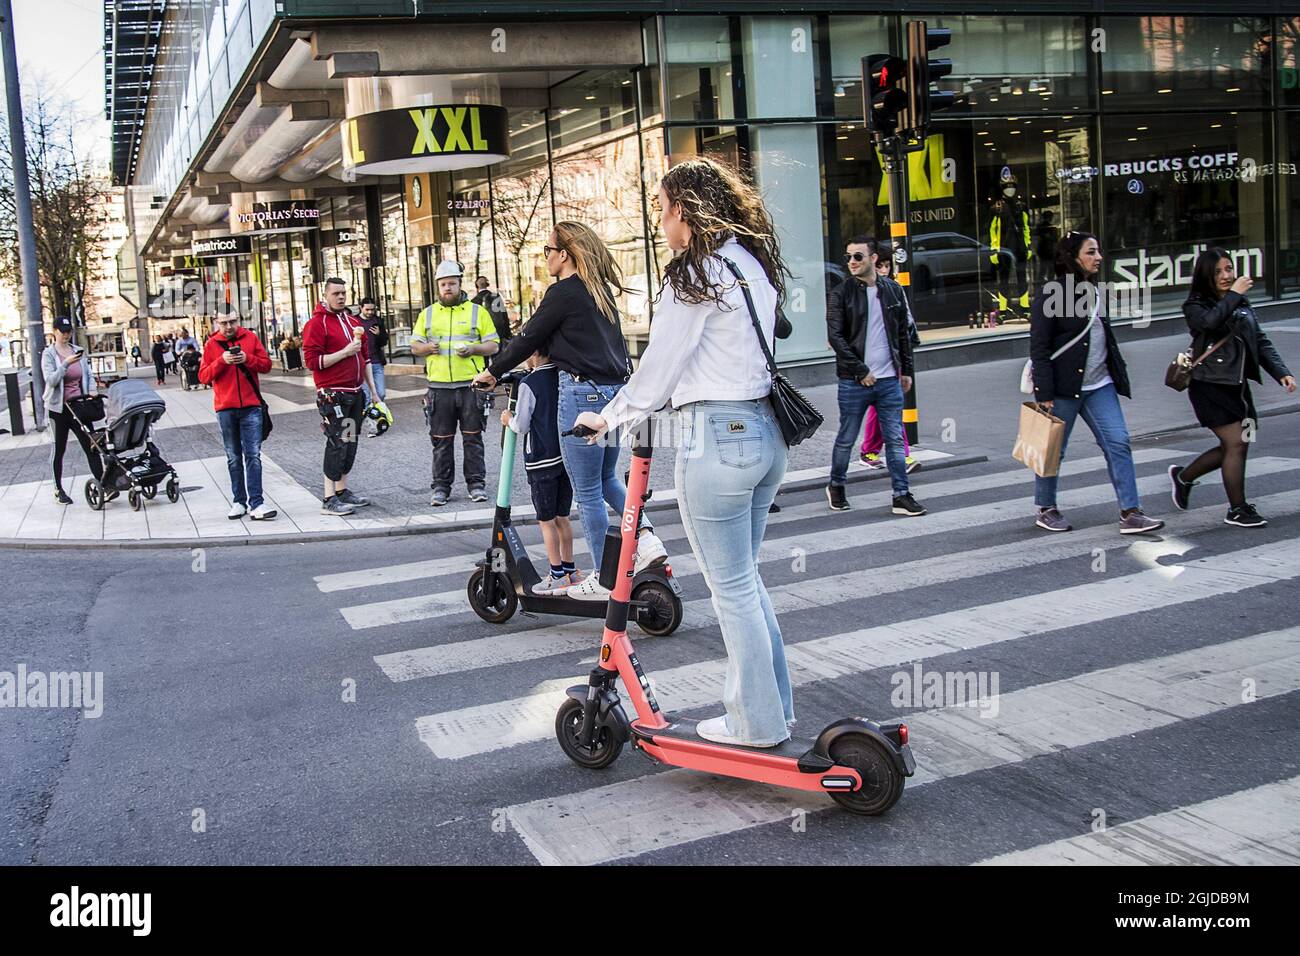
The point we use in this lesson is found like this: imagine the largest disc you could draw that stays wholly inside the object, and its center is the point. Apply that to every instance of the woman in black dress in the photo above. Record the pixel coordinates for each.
(1217, 311)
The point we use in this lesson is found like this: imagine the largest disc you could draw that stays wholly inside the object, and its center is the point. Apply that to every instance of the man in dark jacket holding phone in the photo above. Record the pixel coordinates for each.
(866, 322)
(232, 359)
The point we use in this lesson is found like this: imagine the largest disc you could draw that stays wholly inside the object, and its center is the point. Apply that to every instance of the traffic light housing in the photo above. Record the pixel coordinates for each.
(921, 72)
(884, 93)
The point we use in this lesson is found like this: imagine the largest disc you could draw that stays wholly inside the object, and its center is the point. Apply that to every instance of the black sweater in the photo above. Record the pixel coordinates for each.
(569, 329)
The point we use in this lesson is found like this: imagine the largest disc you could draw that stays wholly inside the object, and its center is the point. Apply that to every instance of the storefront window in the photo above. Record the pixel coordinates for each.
(850, 39)
(1287, 170)
(1017, 65)
(591, 104)
(1172, 185)
(1191, 62)
(601, 187)
(401, 281)
(973, 271)
(780, 59)
(1287, 53)
(698, 61)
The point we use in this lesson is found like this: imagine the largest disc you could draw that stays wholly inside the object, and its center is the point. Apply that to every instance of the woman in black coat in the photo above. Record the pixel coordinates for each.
(1079, 372)
(1219, 314)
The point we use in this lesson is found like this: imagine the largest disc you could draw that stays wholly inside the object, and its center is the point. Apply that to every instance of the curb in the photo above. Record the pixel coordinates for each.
(1168, 432)
(470, 524)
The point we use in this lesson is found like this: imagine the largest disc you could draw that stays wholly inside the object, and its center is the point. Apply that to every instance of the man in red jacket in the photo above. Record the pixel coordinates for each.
(334, 347)
(233, 357)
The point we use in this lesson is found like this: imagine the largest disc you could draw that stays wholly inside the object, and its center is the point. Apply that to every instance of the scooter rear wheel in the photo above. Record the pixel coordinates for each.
(503, 608)
(882, 784)
(663, 612)
(568, 728)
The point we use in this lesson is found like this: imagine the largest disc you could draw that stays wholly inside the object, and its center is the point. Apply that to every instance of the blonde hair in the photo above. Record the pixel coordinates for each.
(596, 267)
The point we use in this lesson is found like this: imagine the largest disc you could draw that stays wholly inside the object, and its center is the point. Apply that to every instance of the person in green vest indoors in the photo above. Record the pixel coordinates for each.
(454, 336)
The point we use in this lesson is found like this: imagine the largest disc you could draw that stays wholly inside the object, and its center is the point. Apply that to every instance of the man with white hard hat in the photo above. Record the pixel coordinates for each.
(454, 335)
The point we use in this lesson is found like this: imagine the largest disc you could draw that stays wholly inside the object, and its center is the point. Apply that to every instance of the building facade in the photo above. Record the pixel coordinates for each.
(1162, 133)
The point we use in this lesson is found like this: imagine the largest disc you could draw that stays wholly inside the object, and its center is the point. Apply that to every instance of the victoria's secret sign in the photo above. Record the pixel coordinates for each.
(280, 215)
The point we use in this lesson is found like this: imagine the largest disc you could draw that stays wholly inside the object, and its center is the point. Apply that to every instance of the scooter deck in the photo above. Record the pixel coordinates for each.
(683, 728)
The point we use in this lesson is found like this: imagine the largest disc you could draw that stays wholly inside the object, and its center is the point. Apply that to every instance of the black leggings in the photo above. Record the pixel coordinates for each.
(62, 425)
(1229, 457)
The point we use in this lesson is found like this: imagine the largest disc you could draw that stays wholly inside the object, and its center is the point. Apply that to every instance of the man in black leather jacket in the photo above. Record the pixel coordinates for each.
(866, 323)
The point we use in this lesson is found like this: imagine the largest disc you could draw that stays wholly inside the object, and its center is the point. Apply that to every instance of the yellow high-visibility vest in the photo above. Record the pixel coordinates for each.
(450, 327)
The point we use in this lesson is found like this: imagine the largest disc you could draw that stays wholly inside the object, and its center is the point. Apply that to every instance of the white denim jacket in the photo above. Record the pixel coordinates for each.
(701, 352)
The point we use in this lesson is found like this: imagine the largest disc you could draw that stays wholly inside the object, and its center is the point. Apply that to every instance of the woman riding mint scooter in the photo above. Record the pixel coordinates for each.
(577, 326)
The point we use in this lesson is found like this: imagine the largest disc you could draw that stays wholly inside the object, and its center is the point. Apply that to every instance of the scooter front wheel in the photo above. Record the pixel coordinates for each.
(568, 730)
(882, 783)
(662, 613)
(505, 603)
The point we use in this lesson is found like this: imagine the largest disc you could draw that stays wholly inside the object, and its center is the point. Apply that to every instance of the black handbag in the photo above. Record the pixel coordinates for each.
(798, 417)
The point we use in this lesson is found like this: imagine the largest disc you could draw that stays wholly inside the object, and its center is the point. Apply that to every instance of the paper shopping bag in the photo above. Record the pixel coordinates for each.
(1038, 444)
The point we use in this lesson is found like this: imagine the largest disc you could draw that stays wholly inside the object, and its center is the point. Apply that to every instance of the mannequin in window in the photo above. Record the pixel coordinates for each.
(1010, 244)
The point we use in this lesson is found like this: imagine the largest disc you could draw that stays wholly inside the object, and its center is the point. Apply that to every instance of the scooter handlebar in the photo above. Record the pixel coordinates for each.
(579, 431)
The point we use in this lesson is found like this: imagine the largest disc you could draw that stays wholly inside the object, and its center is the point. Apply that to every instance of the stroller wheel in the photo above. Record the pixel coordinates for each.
(135, 498)
(150, 491)
(173, 490)
(94, 495)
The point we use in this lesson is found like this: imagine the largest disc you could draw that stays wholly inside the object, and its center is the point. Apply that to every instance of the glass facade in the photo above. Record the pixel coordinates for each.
(1162, 134)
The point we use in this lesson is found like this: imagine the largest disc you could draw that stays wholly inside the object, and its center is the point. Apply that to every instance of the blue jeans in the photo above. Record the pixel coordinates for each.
(241, 433)
(593, 469)
(378, 372)
(728, 471)
(1100, 409)
(887, 396)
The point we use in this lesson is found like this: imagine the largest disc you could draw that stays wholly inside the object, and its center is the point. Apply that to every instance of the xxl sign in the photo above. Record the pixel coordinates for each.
(425, 139)
(1160, 272)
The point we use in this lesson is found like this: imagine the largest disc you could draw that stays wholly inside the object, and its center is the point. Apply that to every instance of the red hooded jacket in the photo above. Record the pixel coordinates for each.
(325, 333)
(230, 387)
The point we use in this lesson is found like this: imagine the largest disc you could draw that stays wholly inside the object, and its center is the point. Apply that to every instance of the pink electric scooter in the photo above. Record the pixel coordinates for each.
(860, 763)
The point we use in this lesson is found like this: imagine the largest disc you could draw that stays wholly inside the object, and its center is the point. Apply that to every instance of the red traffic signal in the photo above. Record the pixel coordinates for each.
(884, 92)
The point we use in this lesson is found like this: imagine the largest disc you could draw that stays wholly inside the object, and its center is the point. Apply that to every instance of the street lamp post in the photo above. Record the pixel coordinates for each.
(23, 200)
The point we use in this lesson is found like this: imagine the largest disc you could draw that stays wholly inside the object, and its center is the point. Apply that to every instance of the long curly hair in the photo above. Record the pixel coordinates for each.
(596, 267)
(717, 203)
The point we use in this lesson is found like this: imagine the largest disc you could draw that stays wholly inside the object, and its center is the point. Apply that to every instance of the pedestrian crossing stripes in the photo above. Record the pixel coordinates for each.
(667, 809)
(779, 543)
(434, 567)
(819, 592)
(1256, 827)
(485, 727)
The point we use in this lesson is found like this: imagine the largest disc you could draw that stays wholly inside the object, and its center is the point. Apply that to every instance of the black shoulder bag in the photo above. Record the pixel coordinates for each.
(797, 416)
(267, 425)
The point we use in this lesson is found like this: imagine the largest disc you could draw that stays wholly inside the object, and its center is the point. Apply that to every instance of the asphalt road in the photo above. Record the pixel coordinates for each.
(1137, 679)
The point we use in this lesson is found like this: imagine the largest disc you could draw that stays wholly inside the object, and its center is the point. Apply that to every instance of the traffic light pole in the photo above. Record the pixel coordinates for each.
(896, 171)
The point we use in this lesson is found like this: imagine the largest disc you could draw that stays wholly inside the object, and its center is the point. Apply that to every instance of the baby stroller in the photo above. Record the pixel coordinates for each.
(131, 462)
(189, 365)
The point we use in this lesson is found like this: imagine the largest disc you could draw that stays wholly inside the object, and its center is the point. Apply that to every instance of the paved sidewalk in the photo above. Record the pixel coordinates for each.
(967, 414)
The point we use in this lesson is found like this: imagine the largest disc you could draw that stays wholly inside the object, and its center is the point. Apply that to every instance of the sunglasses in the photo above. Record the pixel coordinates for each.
(855, 257)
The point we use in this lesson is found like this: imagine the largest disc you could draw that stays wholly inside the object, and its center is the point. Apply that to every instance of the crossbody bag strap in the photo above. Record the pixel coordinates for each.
(225, 347)
(753, 314)
(1213, 348)
(1074, 341)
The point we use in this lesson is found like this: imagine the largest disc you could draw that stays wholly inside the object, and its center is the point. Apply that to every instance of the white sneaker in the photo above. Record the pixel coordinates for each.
(263, 512)
(588, 590)
(649, 552)
(236, 511)
(715, 729)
